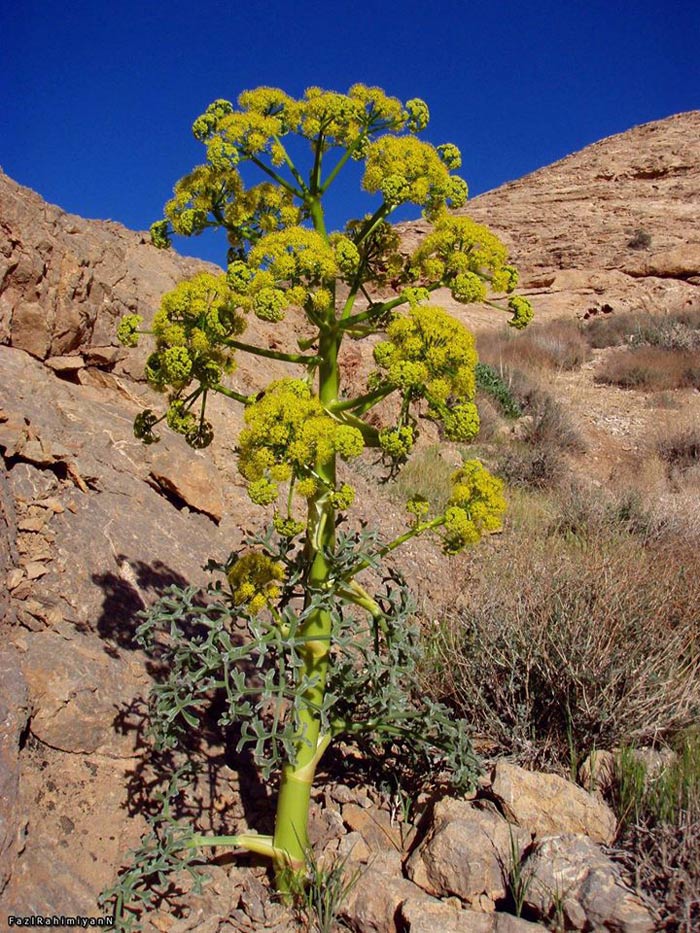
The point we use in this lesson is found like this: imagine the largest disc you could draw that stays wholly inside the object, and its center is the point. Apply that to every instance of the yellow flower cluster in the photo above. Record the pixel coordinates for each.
(431, 355)
(404, 169)
(382, 260)
(288, 435)
(189, 326)
(254, 580)
(476, 506)
(267, 113)
(204, 191)
(291, 267)
(465, 256)
(215, 194)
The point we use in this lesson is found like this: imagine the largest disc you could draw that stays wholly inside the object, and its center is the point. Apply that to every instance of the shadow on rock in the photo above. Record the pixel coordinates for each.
(129, 592)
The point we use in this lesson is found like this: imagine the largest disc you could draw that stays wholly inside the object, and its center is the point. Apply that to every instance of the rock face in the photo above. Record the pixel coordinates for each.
(615, 223)
(14, 712)
(64, 281)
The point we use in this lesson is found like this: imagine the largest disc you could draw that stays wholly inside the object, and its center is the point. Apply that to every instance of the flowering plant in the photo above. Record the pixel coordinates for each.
(323, 671)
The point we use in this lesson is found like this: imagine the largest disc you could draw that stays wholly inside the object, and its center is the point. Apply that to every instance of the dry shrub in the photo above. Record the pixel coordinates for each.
(651, 369)
(525, 467)
(558, 345)
(677, 331)
(659, 841)
(565, 646)
(680, 451)
(535, 459)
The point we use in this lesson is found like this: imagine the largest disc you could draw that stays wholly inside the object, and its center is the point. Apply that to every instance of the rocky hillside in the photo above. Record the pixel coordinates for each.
(616, 223)
(92, 524)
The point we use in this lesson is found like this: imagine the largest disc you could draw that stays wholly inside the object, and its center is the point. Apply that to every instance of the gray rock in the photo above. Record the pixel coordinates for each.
(571, 874)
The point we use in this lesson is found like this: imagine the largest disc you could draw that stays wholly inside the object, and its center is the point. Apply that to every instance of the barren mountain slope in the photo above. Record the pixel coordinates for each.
(569, 225)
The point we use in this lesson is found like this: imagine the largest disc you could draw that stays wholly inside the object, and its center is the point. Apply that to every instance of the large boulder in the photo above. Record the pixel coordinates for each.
(571, 879)
(549, 804)
(467, 852)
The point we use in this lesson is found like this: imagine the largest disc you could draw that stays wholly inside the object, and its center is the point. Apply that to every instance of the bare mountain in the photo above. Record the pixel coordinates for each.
(617, 223)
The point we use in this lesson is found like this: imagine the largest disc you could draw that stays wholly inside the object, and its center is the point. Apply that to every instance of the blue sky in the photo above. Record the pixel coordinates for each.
(98, 98)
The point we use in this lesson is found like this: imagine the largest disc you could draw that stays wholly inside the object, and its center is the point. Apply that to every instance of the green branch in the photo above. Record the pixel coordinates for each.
(363, 403)
(302, 358)
(341, 163)
(418, 529)
(291, 166)
(276, 176)
(230, 393)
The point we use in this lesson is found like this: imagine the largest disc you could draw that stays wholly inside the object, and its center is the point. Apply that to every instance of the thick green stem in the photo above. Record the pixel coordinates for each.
(291, 820)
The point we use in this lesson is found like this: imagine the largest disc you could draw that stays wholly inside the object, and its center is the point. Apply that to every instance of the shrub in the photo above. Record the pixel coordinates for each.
(558, 345)
(489, 381)
(640, 240)
(660, 835)
(681, 450)
(550, 424)
(562, 647)
(677, 331)
(523, 466)
(650, 368)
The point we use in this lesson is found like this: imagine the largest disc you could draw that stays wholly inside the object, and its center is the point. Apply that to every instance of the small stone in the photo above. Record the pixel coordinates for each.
(31, 524)
(34, 569)
(23, 590)
(14, 578)
(65, 364)
(52, 504)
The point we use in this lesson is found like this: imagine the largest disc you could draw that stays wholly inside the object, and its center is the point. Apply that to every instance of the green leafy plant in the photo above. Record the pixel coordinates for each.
(322, 890)
(489, 381)
(286, 634)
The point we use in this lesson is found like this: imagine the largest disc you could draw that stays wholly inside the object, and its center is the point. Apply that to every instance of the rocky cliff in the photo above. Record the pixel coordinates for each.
(616, 223)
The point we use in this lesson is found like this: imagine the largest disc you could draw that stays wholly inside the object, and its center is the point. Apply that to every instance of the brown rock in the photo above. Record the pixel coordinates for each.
(373, 903)
(191, 478)
(570, 870)
(547, 804)
(375, 827)
(65, 365)
(14, 712)
(466, 852)
(30, 329)
(76, 691)
(65, 281)
(569, 225)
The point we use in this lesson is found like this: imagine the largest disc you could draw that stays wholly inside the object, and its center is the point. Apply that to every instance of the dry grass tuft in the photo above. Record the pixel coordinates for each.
(581, 636)
(558, 345)
(652, 369)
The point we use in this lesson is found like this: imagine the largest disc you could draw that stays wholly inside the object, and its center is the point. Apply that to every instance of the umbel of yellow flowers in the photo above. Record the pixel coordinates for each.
(348, 284)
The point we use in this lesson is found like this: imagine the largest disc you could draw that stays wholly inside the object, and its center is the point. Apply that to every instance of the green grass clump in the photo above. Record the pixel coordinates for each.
(489, 381)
